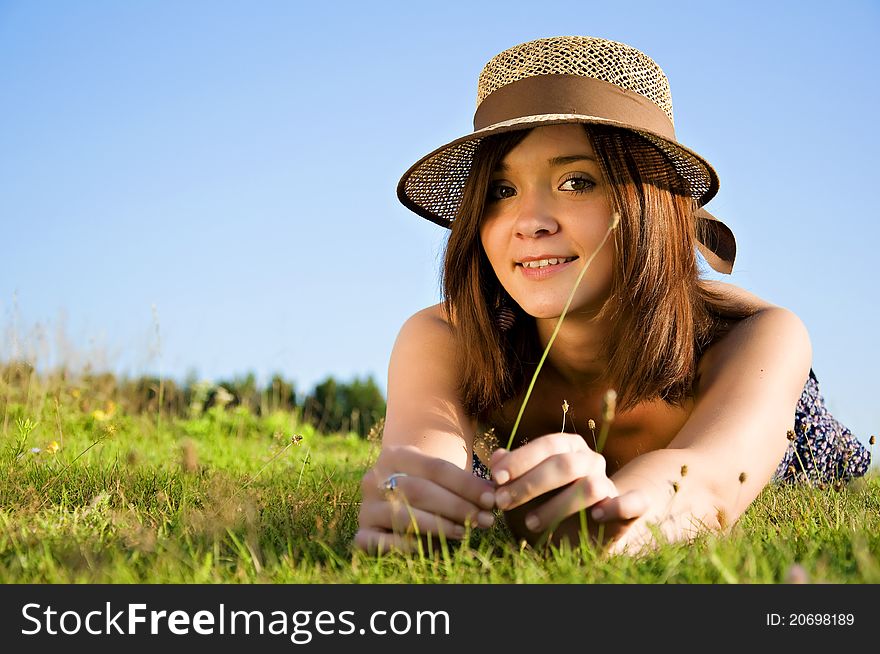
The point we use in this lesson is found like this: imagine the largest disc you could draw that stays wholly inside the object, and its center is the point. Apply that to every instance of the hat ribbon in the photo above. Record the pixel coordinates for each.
(572, 94)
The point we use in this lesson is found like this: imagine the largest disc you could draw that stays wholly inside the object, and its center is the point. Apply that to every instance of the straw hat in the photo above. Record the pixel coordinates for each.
(571, 79)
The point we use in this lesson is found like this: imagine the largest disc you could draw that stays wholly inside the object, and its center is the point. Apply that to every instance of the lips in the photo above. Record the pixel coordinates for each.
(543, 272)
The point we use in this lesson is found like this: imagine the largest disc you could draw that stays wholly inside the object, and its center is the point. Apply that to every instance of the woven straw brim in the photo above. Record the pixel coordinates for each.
(433, 187)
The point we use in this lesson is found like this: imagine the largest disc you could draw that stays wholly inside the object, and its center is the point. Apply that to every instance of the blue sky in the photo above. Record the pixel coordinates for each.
(210, 186)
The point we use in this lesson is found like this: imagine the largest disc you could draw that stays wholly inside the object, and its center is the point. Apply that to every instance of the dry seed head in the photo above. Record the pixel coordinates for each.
(675, 486)
(609, 404)
(684, 470)
(615, 220)
(790, 434)
(592, 424)
(189, 459)
(838, 485)
(872, 440)
(375, 434)
(564, 413)
(742, 477)
(488, 440)
(492, 439)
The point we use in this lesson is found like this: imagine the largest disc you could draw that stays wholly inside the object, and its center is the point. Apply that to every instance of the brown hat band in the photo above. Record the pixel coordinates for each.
(572, 94)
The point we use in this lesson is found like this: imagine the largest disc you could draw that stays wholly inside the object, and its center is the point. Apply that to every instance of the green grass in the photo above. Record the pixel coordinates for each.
(228, 497)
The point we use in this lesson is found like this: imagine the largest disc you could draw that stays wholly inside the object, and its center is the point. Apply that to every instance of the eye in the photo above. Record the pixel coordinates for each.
(577, 184)
(499, 191)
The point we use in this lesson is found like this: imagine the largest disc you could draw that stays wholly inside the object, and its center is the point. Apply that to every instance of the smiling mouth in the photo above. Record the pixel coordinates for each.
(544, 263)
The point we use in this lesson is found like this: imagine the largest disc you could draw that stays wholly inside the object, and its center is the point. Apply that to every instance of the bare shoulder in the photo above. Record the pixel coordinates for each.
(738, 297)
(425, 350)
(768, 323)
(773, 337)
(435, 312)
(428, 326)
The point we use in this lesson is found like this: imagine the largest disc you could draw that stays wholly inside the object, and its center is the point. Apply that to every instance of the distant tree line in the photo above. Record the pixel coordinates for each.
(331, 406)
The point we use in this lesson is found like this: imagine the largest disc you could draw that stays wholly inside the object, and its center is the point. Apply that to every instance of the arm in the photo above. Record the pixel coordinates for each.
(749, 386)
(427, 437)
(423, 409)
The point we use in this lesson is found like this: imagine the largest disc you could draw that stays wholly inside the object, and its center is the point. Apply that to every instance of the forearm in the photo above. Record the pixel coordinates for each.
(736, 434)
(432, 426)
(731, 443)
(423, 407)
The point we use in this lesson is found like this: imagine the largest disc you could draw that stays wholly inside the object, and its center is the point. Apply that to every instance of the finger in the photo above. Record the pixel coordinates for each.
(429, 496)
(414, 462)
(377, 541)
(554, 472)
(582, 494)
(401, 518)
(370, 485)
(433, 498)
(630, 505)
(506, 465)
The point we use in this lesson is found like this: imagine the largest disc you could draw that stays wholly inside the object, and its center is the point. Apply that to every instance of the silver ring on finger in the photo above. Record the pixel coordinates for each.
(390, 484)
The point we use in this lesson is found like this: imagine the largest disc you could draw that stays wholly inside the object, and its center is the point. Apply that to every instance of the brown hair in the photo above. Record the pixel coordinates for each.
(662, 318)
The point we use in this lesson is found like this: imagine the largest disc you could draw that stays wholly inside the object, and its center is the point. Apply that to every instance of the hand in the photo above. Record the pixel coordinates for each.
(544, 484)
(431, 497)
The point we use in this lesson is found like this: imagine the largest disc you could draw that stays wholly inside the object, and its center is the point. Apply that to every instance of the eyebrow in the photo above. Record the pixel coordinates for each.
(556, 161)
(561, 161)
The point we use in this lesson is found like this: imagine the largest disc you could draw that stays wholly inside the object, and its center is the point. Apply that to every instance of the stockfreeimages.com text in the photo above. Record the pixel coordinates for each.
(301, 626)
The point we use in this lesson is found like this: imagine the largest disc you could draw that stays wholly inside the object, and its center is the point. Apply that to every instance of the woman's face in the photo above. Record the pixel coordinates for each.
(547, 199)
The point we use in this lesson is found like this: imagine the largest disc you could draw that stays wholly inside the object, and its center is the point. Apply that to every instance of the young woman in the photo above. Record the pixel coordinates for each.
(663, 403)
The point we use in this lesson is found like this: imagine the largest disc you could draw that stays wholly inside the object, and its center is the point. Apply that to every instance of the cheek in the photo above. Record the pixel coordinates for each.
(492, 244)
(605, 263)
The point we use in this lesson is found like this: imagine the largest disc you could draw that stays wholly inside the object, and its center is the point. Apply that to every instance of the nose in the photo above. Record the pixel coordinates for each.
(534, 215)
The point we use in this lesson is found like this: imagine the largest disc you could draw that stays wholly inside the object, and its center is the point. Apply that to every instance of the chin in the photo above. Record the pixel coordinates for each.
(553, 309)
(546, 315)
(542, 311)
